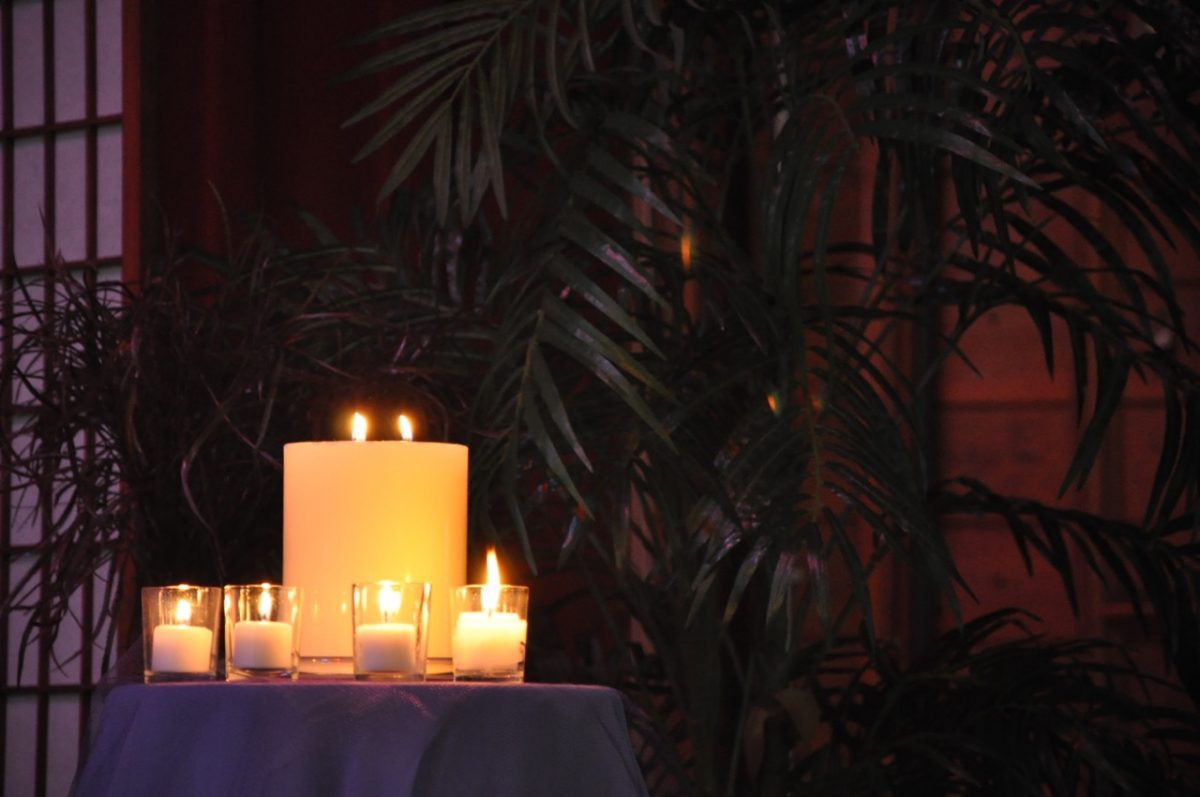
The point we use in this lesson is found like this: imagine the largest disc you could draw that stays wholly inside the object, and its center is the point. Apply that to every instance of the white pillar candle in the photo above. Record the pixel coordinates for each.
(365, 511)
(181, 648)
(386, 647)
(489, 641)
(262, 645)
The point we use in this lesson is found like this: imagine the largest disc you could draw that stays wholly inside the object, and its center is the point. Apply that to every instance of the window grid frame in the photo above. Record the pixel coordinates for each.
(50, 131)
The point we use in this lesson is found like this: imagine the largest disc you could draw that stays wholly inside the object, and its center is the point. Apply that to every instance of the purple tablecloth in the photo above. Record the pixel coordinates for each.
(361, 739)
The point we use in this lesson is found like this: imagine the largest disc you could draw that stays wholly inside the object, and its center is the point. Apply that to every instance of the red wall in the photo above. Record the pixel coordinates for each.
(242, 99)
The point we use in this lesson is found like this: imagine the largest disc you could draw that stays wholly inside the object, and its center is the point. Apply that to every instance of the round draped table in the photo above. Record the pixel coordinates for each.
(361, 739)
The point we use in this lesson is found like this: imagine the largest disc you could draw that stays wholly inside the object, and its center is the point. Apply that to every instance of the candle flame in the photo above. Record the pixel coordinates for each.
(183, 612)
(685, 249)
(491, 589)
(389, 602)
(264, 603)
(358, 428)
(406, 429)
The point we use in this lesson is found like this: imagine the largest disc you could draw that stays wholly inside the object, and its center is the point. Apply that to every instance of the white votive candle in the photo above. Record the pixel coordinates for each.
(262, 645)
(386, 647)
(489, 641)
(181, 648)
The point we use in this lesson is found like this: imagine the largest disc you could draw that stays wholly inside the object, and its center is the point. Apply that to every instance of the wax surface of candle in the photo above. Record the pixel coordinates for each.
(367, 511)
(181, 648)
(262, 645)
(485, 642)
(386, 647)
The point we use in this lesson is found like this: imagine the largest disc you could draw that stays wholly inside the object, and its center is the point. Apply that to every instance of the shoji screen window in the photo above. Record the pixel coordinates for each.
(60, 206)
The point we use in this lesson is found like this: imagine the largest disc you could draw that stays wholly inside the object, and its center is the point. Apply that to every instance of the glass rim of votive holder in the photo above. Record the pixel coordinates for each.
(517, 589)
(511, 587)
(179, 587)
(173, 654)
(390, 582)
(259, 585)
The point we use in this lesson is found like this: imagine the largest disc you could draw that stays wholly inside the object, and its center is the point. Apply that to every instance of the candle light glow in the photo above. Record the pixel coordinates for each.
(491, 588)
(178, 646)
(264, 603)
(389, 602)
(489, 642)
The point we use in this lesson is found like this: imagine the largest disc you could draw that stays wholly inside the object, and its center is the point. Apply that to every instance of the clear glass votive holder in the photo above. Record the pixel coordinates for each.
(391, 630)
(179, 632)
(262, 631)
(490, 626)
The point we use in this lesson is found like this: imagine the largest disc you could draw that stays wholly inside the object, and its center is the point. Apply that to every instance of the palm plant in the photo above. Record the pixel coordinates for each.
(702, 371)
(622, 260)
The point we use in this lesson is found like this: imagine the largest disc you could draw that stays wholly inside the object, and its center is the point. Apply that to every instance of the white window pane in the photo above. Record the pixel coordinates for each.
(67, 665)
(28, 505)
(63, 754)
(28, 69)
(69, 199)
(29, 170)
(26, 515)
(27, 318)
(19, 428)
(24, 497)
(21, 745)
(69, 53)
(109, 275)
(108, 57)
(109, 286)
(108, 192)
(63, 506)
(19, 570)
(104, 588)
